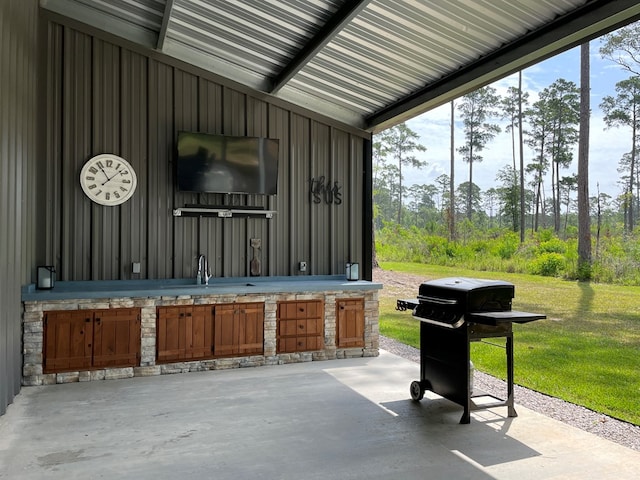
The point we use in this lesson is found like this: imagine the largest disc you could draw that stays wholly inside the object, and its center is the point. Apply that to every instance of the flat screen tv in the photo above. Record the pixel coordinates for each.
(225, 164)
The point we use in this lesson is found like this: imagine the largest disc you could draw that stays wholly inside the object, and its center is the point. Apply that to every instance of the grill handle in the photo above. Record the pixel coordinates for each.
(438, 300)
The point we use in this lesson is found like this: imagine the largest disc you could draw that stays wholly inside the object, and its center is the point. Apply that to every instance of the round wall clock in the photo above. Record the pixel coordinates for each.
(108, 179)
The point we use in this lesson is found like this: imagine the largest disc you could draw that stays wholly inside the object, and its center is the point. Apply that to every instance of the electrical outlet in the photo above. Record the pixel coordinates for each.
(302, 266)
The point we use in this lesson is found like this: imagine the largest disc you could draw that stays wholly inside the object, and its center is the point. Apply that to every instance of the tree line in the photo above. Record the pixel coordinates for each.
(551, 126)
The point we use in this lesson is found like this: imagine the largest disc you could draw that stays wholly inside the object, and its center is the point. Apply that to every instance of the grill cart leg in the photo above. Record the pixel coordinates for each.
(511, 411)
(466, 416)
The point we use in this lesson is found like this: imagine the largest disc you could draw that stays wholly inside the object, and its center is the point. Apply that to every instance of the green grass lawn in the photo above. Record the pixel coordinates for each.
(586, 352)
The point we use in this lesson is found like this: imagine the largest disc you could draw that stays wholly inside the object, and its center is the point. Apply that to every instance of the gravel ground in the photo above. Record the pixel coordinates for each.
(397, 285)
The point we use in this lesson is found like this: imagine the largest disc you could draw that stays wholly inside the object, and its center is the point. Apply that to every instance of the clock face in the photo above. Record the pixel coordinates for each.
(108, 179)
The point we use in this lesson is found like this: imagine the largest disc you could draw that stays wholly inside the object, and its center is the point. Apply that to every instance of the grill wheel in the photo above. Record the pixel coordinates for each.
(417, 393)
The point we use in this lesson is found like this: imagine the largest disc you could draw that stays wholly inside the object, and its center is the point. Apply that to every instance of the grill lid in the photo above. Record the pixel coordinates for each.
(450, 302)
(464, 284)
(467, 294)
(447, 299)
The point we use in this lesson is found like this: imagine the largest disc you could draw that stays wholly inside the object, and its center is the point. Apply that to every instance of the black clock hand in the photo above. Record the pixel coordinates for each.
(109, 178)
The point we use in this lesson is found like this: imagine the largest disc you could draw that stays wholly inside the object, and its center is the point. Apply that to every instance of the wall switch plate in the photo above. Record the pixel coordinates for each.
(135, 267)
(302, 266)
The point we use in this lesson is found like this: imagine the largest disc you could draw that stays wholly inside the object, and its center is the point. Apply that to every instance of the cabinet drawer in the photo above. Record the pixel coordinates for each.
(311, 326)
(300, 344)
(309, 309)
(300, 326)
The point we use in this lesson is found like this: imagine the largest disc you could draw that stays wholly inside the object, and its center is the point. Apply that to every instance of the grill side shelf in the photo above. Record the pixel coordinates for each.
(496, 318)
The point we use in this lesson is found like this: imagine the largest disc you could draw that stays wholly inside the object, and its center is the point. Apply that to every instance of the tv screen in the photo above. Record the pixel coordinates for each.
(225, 164)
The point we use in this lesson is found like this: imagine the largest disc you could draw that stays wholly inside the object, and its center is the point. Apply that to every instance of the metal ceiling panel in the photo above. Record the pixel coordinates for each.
(254, 40)
(136, 20)
(368, 63)
(394, 47)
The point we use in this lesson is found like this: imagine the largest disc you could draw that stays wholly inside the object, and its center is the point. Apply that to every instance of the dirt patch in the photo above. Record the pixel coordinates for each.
(398, 284)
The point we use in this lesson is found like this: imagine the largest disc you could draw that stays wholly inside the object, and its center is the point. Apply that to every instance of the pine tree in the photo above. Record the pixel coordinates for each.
(477, 109)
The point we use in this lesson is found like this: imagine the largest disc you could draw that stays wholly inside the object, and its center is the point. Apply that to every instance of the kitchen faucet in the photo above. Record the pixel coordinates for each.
(203, 271)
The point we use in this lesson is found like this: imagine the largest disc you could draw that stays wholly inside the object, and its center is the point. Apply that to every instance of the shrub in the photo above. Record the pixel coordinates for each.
(548, 265)
(553, 245)
(544, 235)
(507, 246)
(480, 247)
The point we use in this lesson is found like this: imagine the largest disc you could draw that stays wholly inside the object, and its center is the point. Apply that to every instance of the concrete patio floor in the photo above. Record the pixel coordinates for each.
(347, 419)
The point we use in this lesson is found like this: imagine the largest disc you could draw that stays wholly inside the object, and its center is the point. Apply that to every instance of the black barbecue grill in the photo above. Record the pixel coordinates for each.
(454, 312)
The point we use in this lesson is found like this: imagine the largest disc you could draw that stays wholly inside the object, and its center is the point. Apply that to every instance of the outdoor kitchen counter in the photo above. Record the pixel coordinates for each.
(67, 290)
(165, 326)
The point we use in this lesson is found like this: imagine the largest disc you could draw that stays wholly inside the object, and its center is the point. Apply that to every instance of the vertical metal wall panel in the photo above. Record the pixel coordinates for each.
(211, 107)
(133, 147)
(6, 339)
(234, 112)
(320, 232)
(112, 99)
(299, 168)
(76, 149)
(235, 242)
(257, 126)
(49, 185)
(341, 173)
(211, 121)
(106, 121)
(355, 194)
(234, 229)
(279, 238)
(18, 133)
(186, 231)
(159, 173)
(7, 156)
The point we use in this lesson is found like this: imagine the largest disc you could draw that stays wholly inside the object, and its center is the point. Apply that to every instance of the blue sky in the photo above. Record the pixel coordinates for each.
(606, 145)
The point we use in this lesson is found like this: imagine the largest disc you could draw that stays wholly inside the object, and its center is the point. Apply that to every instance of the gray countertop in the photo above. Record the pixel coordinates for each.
(178, 287)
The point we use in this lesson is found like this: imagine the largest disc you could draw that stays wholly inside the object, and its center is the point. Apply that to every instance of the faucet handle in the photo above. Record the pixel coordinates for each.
(200, 268)
(207, 272)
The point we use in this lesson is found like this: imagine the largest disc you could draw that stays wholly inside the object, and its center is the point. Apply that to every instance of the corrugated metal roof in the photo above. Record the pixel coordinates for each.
(368, 63)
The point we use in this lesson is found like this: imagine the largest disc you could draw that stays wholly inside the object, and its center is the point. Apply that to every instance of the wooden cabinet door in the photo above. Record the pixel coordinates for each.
(68, 337)
(250, 328)
(225, 330)
(199, 332)
(238, 329)
(350, 323)
(116, 338)
(171, 339)
(184, 333)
